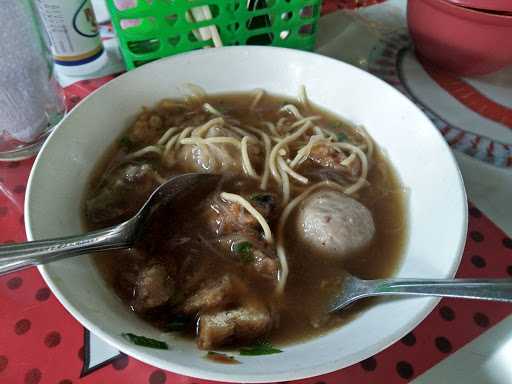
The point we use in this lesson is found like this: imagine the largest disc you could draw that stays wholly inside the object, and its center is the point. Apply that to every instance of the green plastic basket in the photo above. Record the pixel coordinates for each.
(162, 29)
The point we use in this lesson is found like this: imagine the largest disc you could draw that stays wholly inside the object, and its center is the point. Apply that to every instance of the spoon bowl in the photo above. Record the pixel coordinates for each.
(19, 256)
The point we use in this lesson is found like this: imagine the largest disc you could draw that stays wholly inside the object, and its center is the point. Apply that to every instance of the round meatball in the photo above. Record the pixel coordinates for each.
(335, 224)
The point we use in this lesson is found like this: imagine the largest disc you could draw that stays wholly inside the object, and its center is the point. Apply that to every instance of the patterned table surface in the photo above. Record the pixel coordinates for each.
(41, 343)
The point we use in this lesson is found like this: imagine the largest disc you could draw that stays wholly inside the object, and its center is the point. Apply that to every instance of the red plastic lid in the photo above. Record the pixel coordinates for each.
(487, 5)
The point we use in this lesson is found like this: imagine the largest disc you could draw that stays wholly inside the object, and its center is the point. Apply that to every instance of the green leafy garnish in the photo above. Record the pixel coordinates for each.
(243, 247)
(145, 341)
(262, 198)
(341, 136)
(244, 251)
(247, 258)
(260, 348)
(221, 358)
(178, 324)
(177, 298)
(126, 142)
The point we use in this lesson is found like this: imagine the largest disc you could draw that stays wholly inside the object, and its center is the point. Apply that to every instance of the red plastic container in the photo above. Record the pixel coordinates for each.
(489, 5)
(463, 41)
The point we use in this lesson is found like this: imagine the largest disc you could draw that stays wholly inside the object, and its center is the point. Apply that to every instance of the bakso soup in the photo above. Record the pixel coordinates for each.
(303, 197)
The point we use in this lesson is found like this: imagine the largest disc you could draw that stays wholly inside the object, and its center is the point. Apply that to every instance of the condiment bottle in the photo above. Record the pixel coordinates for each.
(76, 45)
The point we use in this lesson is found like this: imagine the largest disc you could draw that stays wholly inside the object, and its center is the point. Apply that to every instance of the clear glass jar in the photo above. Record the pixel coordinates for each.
(31, 101)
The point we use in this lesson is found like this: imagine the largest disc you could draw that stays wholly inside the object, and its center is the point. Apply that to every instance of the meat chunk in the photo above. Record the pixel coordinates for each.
(328, 157)
(147, 129)
(265, 265)
(254, 254)
(226, 217)
(122, 193)
(334, 224)
(215, 294)
(154, 287)
(240, 324)
(265, 203)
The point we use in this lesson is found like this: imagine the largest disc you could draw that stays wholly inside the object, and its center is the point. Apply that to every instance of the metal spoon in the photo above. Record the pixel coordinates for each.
(18, 256)
(354, 289)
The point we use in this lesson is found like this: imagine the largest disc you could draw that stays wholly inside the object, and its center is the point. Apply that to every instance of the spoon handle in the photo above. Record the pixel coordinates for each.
(482, 289)
(18, 256)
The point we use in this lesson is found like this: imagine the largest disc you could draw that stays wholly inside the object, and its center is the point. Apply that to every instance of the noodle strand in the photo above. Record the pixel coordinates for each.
(234, 198)
(246, 161)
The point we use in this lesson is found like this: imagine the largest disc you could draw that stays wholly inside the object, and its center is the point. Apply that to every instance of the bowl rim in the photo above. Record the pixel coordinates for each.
(479, 16)
(484, 5)
(300, 373)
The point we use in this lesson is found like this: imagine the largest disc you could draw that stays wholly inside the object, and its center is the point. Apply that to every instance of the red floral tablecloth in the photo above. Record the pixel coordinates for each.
(41, 343)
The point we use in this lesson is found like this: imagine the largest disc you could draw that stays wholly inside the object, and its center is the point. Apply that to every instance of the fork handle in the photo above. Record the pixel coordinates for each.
(482, 289)
(14, 257)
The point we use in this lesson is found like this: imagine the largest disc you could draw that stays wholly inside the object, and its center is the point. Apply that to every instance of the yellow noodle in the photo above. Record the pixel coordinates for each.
(290, 108)
(158, 178)
(349, 160)
(268, 145)
(246, 161)
(280, 144)
(210, 109)
(243, 132)
(182, 135)
(259, 94)
(234, 198)
(197, 92)
(170, 144)
(144, 151)
(166, 135)
(292, 173)
(304, 119)
(285, 180)
(271, 127)
(201, 130)
(280, 123)
(303, 153)
(369, 142)
(303, 98)
(222, 140)
(361, 182)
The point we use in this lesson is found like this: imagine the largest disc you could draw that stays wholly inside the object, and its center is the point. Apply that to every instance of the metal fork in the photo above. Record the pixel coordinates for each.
(482, 289)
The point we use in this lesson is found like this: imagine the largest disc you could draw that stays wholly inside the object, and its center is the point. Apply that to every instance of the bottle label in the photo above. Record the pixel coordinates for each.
(72, 30)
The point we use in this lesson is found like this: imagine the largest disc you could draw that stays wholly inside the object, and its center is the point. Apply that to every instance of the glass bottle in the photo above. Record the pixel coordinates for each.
(31, 101)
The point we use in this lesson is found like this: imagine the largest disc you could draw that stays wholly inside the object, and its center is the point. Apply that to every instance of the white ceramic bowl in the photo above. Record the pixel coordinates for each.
(436, 202)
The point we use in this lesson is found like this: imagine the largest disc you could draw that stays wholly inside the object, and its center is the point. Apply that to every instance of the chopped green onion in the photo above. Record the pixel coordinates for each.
(178, 324)
(243, 247)
(145, 341)
(263, 198)
(244, 250)
(177, 298)
(247, 258)
(126, 142)
(261, 348)
(341, 136)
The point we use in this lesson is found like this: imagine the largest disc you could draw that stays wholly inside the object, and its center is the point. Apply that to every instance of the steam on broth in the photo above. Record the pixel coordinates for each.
(304, 196)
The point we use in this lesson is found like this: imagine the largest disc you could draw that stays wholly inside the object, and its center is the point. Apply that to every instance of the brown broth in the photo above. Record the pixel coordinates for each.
(313, 281)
